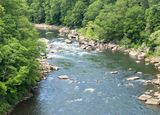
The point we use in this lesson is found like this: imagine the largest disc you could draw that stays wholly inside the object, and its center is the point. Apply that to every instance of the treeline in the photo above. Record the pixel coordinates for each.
(132, 23)
(19, 49)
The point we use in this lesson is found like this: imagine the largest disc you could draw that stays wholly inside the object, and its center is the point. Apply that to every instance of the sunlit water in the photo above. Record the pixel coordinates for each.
(94, 90)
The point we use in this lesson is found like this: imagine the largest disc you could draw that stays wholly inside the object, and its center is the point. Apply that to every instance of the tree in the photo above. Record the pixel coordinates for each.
(153, 19)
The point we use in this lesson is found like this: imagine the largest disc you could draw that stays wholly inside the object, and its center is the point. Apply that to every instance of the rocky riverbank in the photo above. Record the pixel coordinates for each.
(91, 45)
(149, 97)
(44, 64)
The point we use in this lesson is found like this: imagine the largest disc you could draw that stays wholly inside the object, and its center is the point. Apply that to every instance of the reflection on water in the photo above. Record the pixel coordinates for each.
(93, 90)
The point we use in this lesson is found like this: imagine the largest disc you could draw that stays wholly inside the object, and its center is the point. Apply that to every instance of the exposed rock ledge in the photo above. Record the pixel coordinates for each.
(46, 27)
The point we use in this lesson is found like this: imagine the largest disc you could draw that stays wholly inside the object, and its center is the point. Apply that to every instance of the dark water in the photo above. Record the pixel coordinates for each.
(96, 91)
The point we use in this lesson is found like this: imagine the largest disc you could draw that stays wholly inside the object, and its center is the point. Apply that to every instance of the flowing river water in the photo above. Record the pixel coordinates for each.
(95, 91)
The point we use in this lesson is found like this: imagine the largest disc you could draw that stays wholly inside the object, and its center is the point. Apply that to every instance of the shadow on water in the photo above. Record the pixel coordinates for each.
(94, 90)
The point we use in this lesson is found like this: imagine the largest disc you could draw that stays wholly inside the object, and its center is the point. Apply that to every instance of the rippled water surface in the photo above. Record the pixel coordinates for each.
(93, 90)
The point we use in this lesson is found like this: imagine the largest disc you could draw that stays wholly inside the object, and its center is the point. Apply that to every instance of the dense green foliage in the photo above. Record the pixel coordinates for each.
(128, 22)
(19, 69)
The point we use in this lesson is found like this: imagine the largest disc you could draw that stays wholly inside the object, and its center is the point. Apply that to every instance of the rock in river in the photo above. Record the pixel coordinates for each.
(133, 78)
(144, 97)
(63, 77)
(114, 72)
(133, 54)
(91, 90)
(153, 101)
(68, 41)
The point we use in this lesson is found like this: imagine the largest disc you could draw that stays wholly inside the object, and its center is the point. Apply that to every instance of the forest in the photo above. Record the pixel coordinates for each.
(19, 69)
(131, 23)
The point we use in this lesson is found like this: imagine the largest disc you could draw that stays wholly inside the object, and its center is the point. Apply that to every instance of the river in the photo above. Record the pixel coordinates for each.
(95, 91)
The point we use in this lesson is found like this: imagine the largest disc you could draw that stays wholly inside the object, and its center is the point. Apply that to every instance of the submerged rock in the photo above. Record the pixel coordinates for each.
(133, 78)
(114, 72)
(91, 90)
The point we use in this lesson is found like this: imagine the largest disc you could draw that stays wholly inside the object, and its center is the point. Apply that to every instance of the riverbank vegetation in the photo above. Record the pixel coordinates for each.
(130, 23)
(19, 69)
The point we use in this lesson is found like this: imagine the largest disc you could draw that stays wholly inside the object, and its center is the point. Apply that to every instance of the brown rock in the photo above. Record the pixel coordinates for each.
(147, 60)
(155, 60)
(156, 81)
(144, 97)
(54, 68)
(141, 56)
(153, 101)
(158, 76)
(133, 54)
(157, 94)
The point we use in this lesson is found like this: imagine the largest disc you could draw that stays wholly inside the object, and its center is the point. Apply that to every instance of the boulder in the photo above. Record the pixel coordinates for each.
(111, 45)
(141, 56)
(127, 51)
(157, 94)
(156, 81)
(63, 31)
(63, 77)
(147, 60)
(114, 72)
(147, 92)
(146, 63)
(138, 61)
(155, 60)
(114, 49)
(158, 76)
(54, 68)
(130, 69)
(144, 97)
(139, 73)
(92, 43)
(53, 51)
(83, 46)
(133, 54)
(68, 41)
(90, 48)
(153, 101)
(133, 78)
(157, 64)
